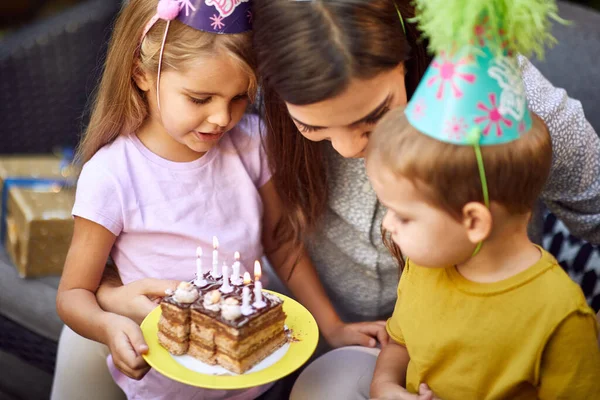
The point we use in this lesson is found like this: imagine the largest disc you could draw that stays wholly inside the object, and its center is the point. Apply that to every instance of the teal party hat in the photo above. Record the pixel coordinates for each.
(472, 93)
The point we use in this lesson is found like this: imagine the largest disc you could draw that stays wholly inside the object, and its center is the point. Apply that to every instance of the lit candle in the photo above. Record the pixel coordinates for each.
(257, 271)
(200, 281)
(258, 299)
(246, 308)
(226, 287)
(247, 279)
(236, 279)
(215, 261)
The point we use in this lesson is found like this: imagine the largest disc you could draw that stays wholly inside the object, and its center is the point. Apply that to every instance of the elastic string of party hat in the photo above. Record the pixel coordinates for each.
(474, 139)
(160, 57)
(400, 16)
(166, 10)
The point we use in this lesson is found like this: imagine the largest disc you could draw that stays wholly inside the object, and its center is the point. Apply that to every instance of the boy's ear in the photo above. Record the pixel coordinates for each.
(141, 78)
(477, 220)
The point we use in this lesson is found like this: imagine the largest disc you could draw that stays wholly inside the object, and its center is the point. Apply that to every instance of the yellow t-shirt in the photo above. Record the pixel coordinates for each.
(527, 337)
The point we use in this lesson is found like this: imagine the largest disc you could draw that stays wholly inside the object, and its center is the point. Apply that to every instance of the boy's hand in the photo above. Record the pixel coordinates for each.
(391, 391)
(361, 333)
(126, 343)
(136, 299)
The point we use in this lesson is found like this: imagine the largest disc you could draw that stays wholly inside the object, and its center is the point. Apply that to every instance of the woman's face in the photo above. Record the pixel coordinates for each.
(347, 119)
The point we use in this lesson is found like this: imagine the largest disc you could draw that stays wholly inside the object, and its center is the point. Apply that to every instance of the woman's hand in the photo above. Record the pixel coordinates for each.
(392, 391)
(360, 333)
(134, 300)
(126, 343)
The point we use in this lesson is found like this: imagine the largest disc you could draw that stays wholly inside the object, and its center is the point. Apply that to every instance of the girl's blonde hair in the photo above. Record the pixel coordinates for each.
(516, 172)
(120, 106)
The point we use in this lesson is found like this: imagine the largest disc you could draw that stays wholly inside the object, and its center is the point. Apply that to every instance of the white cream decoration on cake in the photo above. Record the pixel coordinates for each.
(212, 300)
(230, 309)
(185, 293)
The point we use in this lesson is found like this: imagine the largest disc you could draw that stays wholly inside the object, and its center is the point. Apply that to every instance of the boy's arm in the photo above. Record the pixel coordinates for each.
(570, 366)
(390, 371)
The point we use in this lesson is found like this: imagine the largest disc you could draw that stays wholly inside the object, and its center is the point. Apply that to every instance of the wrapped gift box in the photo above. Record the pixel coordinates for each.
(36, 200)
(39, 229)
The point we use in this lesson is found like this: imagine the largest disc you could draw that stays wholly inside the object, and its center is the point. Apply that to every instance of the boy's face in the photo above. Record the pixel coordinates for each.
(426, 234)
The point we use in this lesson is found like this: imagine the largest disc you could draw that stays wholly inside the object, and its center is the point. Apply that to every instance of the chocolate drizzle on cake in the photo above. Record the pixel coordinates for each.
(198, 305)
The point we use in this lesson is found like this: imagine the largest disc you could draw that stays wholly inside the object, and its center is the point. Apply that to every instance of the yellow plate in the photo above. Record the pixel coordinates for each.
(299, 320)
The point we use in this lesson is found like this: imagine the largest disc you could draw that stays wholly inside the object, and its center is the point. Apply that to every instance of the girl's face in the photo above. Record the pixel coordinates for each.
(197, 105)
(347, 119)
(426, 234)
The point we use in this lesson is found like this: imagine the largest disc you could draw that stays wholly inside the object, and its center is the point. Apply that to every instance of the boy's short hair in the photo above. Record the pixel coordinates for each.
(516, 172)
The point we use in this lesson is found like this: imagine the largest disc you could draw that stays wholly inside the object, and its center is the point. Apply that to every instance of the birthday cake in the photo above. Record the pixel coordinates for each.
(222, 320)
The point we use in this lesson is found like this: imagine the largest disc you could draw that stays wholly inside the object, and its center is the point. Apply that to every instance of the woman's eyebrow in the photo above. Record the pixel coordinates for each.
(372, 114)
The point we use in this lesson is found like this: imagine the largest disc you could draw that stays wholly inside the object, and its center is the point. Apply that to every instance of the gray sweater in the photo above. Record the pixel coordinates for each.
(356, 269)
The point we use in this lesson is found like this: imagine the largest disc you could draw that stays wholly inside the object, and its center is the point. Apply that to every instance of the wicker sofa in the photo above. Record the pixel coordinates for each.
(47, 72)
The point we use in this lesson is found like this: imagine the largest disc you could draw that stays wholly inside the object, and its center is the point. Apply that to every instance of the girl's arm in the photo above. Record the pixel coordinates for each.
(305, 284)
(76, 300)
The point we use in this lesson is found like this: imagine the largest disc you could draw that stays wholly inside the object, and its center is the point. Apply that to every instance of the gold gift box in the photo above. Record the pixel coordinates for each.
(39, 228)
(38, 221)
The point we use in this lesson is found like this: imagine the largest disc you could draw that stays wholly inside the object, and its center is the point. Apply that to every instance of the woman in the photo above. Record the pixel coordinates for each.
(330, 70)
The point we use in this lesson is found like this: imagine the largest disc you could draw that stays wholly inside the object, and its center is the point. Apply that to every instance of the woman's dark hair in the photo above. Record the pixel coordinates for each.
(308, 51)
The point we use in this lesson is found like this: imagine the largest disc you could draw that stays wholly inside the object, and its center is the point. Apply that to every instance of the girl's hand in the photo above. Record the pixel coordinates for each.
(361, 333)
(126, 343)
(136, 299)
(391, 391)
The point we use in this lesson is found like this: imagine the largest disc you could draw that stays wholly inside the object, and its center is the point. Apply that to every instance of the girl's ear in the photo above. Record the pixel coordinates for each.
(141, 78)
(477, 220)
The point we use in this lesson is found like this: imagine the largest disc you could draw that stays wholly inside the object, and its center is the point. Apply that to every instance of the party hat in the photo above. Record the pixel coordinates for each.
(472, 93)
(217, 16)
(214, 16)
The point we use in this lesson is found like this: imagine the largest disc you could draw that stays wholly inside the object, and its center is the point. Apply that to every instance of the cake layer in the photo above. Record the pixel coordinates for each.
(202, 353)
(175, 331)
(240, 366)
(203, 335)
(239, 349)
(173, 346)
(175, 314)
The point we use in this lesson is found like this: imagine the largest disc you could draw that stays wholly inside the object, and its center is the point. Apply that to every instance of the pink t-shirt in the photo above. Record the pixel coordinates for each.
(161, 211)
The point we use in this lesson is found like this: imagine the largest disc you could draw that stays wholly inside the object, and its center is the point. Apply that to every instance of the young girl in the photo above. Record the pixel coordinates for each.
(482, 312)
(170, 162)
